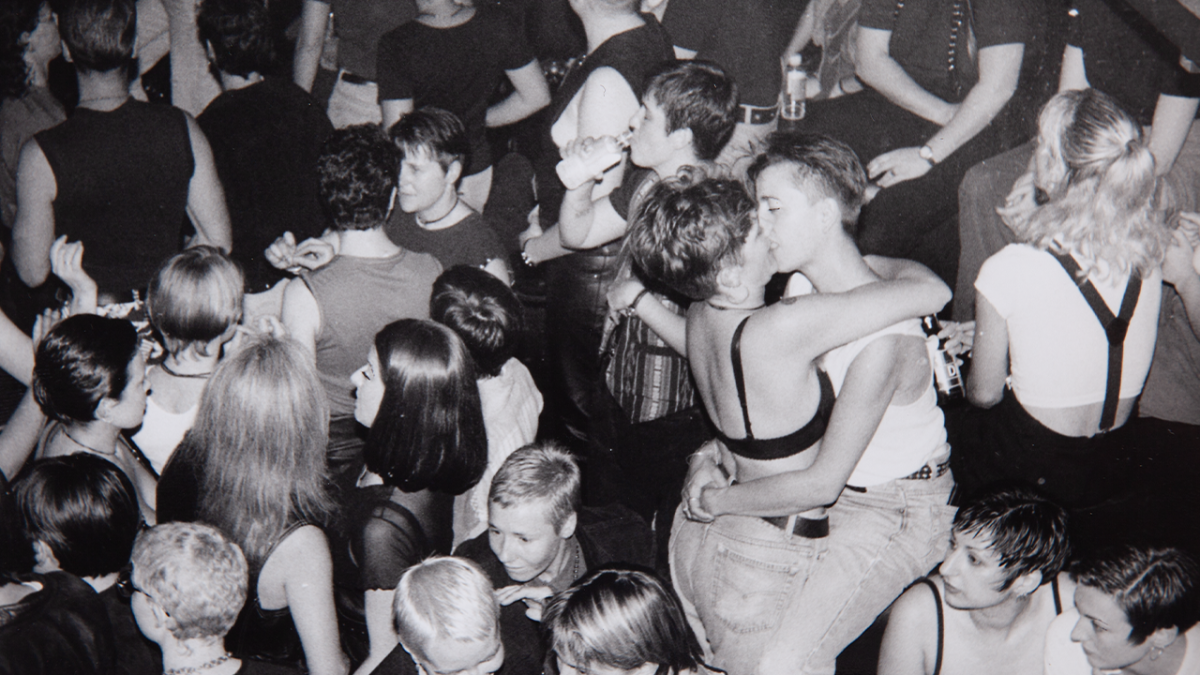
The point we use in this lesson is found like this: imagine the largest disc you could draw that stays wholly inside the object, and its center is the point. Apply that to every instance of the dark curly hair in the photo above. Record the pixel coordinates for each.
(17, 17)
(358, 169)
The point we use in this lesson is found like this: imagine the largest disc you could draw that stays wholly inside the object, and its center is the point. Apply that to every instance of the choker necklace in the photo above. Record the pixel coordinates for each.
(424, 223)
(88, 447)
(119, 97)
(186, 670)
(743, 309)
(198, 376)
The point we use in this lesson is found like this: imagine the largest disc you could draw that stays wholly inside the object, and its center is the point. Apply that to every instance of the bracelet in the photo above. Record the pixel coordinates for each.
(529, 262)
(632, 308)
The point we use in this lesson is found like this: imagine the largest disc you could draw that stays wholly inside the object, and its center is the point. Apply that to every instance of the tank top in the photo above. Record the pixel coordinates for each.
(122, 179)
(357, 297)
(267, 634)
(783, 446)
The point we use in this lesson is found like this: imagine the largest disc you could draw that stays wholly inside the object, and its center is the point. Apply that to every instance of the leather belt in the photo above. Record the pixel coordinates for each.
(347, 76)
(752, 114)
(810, 528)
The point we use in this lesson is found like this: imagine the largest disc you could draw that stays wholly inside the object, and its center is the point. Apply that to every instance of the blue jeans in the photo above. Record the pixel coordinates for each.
(765, 602)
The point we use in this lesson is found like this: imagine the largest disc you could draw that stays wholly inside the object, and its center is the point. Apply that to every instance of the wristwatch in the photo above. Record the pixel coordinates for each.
(926, 153)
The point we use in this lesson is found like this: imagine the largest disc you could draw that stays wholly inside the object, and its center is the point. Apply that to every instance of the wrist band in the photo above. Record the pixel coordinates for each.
(632, 308)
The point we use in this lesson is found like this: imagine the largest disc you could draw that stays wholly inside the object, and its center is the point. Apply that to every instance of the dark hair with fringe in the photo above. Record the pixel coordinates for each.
(1027, 531)
(82, 361)
(1155, 587)
(240, 34)
(84, 508)
(436, 131)
(428, 433)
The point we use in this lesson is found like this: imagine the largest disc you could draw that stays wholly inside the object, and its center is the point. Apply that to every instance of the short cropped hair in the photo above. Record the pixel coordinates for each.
(84, 508)
(622, 619)
(819, 163)
(99, 33)
(539, 471)
(82, 361)
(195, 297)
(195, 574)
(1027, 531)
(483, 311)
(445, 598)
(684, 233)
(428, 433)
(357, 170)
(1155, 587)
(700, 96)
(240, 34)
(439, 132)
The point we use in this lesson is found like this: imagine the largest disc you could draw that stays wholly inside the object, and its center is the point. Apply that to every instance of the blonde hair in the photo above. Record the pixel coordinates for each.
(195, 297)
(445, 598)
(1098, 172)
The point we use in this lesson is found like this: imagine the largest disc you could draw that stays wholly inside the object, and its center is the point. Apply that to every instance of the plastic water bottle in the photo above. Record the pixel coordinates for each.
(577, 170)
(794, 89)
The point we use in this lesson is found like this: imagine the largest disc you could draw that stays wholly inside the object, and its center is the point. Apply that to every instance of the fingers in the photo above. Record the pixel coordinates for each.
(281, 252)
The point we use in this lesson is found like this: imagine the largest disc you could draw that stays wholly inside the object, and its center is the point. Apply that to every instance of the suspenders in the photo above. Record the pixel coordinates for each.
(1115, 328)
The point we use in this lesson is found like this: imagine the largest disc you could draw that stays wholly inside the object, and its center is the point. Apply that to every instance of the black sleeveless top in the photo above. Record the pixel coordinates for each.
(123, 180)
(634, 54)
(266, 634)
(783, 446)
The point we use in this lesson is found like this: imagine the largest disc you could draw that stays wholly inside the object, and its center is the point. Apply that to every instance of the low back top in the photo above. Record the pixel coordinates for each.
(783, 446)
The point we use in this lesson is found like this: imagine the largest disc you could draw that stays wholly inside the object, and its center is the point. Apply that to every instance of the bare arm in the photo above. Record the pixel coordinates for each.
(206, 198)
(1173, 116)
(394, 109)
(999, 71)
(583, 222)
(530, 94)
(16, 358)
(20, 435)
(308, 585)
(377, 606)
(989, 362)
(605, 108)
(877, 68)
(907, 647)
(1180, 272)
(668, 325)
(33, 233)
(313, 19)
(870, 383)
(1073, 74)
(301, 315)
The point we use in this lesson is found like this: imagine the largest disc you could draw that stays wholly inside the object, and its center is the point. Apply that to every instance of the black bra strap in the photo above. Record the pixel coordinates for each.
(739, 378)
(941, 620)
(1115, 328)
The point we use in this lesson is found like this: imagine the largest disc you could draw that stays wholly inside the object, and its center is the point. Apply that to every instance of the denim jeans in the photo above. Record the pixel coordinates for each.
(765, 602)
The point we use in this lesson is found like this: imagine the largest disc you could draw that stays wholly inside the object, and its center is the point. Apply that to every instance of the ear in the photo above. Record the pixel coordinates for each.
(831, 214)
(104, 408)
(567, 529)
(66, 52)
(1163, 637)
(44, 558)
(681, 138)
(454, 172)
(729, 277)
(1027, 583)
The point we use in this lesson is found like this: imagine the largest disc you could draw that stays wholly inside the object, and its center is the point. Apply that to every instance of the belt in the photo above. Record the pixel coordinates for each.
(752, 114)
(809, 528)
(927, 472)
(347, 76)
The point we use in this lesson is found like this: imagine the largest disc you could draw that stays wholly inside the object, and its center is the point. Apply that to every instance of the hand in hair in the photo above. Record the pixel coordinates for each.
(1021, 201)
(66, 262)
(311, 254)
(534, 596)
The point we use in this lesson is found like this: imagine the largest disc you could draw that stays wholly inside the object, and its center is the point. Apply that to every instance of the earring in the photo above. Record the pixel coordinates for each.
(1155, 652)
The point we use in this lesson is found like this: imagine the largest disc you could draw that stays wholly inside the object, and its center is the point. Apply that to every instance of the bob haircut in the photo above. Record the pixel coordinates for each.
(357, 172)
(195, 297)
(428, 433)
(699, 96)
(539, 471)
(1096, 169)
(17, 18)
(1155, 587)
(1028, 531)
(260, 436)
(685, 232)
(99, 33)
(445, 598)
(240, 34)
(82, 361)
(84, 508)
(483, 311)
(823, 167)
(195, 574)
(436, 131)
(621, 619)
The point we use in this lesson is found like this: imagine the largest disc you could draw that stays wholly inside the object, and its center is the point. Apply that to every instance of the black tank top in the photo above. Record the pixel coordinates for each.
(266, 634)
(122, 179)
(783, 446)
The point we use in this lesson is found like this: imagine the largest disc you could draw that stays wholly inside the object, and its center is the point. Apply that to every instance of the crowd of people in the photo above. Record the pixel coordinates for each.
(924, 364)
